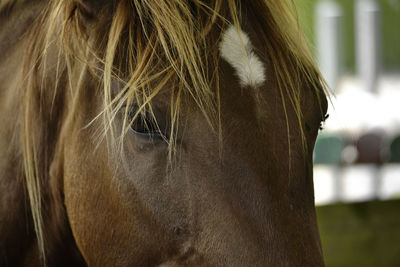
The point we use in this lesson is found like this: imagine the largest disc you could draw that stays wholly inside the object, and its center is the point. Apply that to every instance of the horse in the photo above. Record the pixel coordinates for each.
(157, 133)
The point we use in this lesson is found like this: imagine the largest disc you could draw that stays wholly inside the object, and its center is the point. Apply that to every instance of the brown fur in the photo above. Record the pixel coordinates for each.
(240, 196)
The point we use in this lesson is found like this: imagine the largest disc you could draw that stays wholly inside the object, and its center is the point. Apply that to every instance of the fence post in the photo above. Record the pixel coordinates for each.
(329, 40)
(368, 39)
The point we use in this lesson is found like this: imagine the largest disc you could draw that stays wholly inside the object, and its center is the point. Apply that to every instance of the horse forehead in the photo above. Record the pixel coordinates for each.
(236, 48)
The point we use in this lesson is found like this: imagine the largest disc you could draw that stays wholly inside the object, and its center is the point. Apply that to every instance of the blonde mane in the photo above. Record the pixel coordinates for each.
(163, 42)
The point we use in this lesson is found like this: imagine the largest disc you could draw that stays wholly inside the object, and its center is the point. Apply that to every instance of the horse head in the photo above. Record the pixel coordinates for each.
(173, 132)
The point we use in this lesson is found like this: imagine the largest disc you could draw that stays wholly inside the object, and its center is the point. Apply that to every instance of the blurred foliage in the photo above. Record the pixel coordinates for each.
(361, 234)
(390, 25)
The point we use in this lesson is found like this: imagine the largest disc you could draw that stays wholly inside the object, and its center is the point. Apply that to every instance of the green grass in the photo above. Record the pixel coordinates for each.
(361, 234)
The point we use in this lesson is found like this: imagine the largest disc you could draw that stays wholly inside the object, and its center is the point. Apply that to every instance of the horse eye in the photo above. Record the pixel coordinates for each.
(145, 124)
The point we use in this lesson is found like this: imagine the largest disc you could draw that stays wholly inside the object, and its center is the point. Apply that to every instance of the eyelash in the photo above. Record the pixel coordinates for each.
(321, 125)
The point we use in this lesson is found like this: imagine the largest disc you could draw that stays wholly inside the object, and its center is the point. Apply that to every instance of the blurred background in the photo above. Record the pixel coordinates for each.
(357, 155)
